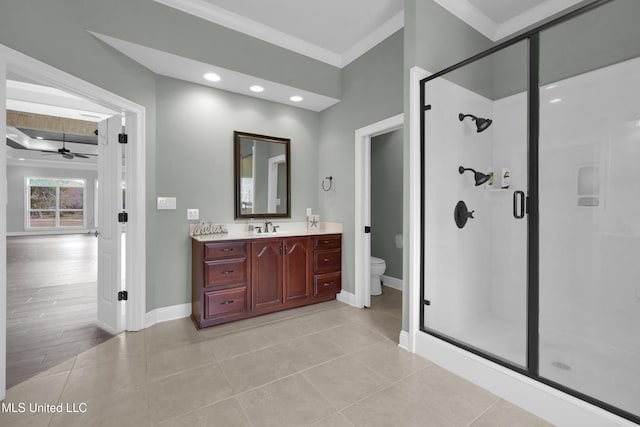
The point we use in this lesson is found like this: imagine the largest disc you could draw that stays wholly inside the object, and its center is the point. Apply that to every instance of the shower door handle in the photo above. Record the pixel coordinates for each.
(518, 208)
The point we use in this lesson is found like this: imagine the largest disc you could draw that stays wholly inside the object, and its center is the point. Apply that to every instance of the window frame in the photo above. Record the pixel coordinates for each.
(57, 210)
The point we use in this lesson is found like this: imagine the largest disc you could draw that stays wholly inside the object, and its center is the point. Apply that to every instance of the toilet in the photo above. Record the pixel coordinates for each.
(378, 266)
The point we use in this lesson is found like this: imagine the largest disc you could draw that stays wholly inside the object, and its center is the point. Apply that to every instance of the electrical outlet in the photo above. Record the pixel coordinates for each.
(193, 214)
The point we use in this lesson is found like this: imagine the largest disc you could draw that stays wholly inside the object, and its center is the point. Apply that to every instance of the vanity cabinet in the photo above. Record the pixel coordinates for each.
(236, 279)
(281, 272)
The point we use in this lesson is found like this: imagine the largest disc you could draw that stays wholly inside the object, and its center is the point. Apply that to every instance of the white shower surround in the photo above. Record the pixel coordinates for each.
(589, 269)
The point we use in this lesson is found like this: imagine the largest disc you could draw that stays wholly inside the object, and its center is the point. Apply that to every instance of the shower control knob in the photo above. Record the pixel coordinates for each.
(461, 214)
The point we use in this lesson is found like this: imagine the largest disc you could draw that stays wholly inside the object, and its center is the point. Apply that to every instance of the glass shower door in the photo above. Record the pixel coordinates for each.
(475, 226)
(589, 184)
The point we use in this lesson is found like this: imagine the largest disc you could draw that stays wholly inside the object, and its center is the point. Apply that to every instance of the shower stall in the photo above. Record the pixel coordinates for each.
(531, 205)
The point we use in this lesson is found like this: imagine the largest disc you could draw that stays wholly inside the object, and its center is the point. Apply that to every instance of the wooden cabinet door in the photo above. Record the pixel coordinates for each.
(266, 273)
(297, 268)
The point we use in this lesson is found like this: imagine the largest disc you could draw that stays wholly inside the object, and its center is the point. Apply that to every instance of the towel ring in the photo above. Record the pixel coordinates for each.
(330, 178)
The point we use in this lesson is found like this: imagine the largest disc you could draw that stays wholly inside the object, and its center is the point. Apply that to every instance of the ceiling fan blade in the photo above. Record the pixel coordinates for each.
(67, 155)
(45, 151)
(82, 156)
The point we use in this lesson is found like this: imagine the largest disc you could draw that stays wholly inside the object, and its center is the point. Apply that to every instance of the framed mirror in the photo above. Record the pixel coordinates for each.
(262, 176)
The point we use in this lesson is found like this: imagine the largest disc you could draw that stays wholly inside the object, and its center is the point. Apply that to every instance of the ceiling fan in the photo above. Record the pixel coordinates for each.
(66, 153)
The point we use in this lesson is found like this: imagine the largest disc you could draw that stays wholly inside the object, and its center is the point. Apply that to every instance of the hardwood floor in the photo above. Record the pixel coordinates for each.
(51, 302)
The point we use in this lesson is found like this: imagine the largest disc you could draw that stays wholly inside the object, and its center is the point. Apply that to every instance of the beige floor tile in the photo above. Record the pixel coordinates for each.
(390, 407)
(382, 323)
(174, 333)
(326, 319)
(187, 391)
(450, 396)
(123, 408)
(94, 381)
(504, 414)
(351, 337)
(344, 381)
(285, 330)
(238, 343)
(37, 391)
(391, 361)
(65, 366)
(309, 351)
(177, 359)
(257, 368)
(335, 420)
(227, 413)
(26, 420)
(289, 402)
(127, 345)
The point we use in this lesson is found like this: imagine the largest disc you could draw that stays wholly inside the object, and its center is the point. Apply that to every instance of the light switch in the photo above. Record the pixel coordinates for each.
(166, 203)
(193, 214)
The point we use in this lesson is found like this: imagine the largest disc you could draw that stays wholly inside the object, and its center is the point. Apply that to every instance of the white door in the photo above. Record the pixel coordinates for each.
(110, 236)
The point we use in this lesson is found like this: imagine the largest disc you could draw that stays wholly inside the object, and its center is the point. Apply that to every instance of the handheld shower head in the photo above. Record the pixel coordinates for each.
(479, 177)
(481, 124)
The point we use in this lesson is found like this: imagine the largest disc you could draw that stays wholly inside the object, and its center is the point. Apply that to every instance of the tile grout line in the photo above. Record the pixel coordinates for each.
(483, 412)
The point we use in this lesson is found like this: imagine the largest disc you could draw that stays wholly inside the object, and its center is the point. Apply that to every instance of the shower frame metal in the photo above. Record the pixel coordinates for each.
(532, 209)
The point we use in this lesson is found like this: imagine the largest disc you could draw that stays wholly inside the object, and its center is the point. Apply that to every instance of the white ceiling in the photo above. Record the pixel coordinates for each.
(333, 31)
(497, 19)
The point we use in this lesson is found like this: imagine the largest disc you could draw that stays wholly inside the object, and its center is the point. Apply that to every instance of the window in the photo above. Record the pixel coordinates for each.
(55, 203)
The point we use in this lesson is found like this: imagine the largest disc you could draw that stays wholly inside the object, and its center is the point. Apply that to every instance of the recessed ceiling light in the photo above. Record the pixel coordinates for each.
(20, 158)
(555, 101)
(39, 137)
(256, 88)
(296, 98)
(212, 77)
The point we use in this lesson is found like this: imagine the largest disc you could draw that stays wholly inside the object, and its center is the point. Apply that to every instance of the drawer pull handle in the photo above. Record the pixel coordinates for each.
(227, 302)
(228, 272)
(227, 249)
(326, 241)
(327, 259)
(328, 284)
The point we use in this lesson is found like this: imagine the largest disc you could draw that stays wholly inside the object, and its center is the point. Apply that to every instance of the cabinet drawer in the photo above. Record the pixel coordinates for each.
(228, 301)
(225, 250)
(327, 261)
(327, 242)
(327, 284)
(224, 272)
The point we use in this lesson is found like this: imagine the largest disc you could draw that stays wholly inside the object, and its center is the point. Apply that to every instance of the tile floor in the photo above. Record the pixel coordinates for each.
(327, 364)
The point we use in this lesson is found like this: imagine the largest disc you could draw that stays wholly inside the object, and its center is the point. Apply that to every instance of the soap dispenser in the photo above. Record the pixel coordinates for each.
(251, 227)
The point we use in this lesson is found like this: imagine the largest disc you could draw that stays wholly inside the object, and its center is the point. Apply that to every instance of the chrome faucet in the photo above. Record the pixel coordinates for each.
(266, 226)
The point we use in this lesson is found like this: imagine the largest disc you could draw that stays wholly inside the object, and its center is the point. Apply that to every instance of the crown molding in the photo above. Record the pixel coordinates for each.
(532, 16)
(55, 164)
(493, 31)
(236, 22)
(381, 33)
(225, 18)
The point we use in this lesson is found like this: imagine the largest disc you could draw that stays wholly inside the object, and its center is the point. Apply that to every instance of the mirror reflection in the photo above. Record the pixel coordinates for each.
(262, 176)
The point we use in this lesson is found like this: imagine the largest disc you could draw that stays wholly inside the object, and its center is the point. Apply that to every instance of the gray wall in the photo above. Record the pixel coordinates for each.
(195, 165)
(16, 189)
(56, 33)
(386, 200)
(371, 91)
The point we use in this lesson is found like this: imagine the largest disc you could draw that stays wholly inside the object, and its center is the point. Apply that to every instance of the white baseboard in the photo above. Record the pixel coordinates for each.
(546, 402)
(347, 298)
(164, 314)
(403, 340)
(46, 232)
(391, 282)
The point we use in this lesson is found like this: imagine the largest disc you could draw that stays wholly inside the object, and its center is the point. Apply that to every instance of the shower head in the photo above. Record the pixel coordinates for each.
(479, 177)
(481, 124)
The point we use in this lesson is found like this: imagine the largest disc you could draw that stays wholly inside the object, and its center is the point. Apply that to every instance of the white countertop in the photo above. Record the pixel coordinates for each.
(285, 229)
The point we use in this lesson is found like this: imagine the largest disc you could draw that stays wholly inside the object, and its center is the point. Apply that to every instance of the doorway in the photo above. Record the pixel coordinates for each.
(134, 273)
(363, 138)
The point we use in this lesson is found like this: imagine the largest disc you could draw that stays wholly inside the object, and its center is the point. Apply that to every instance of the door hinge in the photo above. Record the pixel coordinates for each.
(367, 229)
(123, 217)
(123, 296)
(123, 138)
